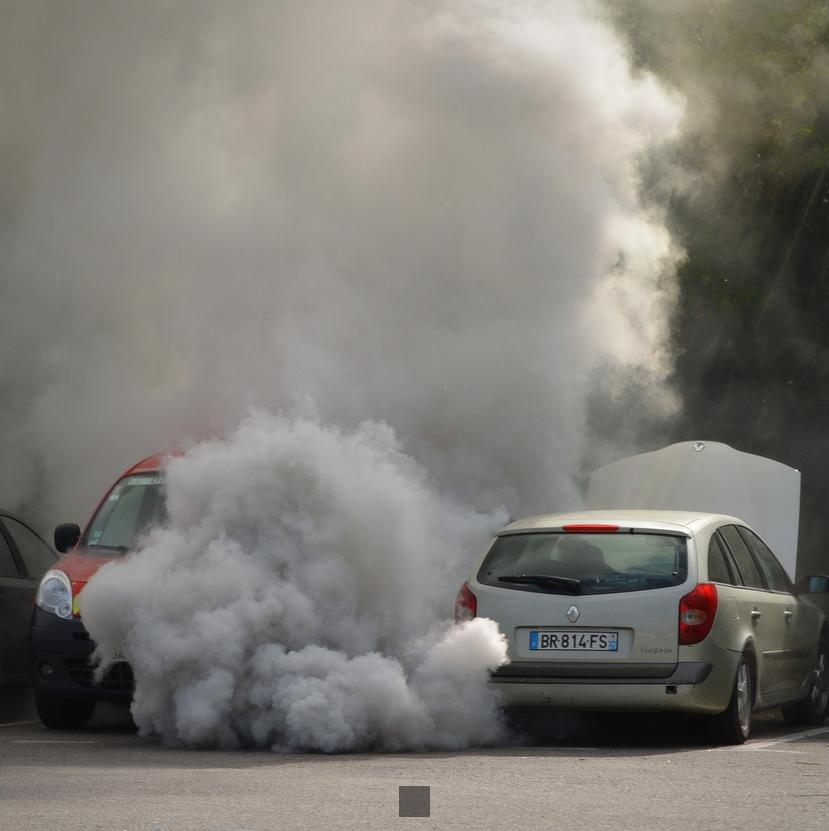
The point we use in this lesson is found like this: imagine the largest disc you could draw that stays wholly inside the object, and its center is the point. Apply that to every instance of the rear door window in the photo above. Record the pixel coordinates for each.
(8, 567)
(749, 572)
(719, 571)
(772, 570)
(585, 563)
(37, 556)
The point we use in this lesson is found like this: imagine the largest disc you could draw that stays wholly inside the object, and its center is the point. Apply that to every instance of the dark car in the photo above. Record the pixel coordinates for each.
(65, 688)
(24, 558)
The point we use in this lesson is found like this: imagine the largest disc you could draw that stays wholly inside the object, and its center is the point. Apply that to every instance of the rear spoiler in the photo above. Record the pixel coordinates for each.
(558, 529)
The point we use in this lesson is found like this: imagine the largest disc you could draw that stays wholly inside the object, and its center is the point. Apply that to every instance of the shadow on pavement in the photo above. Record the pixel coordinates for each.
(627, 733)
(111, 717)
(16, 704)
(534, 732)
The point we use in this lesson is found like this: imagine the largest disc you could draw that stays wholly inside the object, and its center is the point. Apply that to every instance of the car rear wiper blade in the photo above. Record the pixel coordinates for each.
(569, 584)
(123, 548)
(659, 582)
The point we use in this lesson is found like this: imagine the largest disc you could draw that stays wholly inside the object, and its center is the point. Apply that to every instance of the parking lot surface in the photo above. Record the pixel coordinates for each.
(586, 772)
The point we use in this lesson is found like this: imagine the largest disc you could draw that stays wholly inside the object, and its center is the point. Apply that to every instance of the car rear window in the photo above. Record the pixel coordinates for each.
(588, 563)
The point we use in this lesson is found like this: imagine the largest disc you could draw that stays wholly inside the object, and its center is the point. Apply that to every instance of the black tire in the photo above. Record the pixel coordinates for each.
(63, 714)
(734, 724)
(813, 709)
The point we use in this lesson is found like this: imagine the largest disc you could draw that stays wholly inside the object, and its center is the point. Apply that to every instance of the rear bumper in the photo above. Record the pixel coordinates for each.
(692, 687)
(64, 646)
(526, 672)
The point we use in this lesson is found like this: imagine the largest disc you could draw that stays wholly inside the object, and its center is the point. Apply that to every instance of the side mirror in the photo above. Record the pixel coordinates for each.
(66, 537)
(814, 584)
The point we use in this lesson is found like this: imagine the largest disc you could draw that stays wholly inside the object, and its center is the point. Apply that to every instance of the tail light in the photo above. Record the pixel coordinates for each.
(696, 614)
(466, 604)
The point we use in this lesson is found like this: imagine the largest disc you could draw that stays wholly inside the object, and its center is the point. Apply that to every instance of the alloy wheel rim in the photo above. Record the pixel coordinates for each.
(743, 698)
(820, 690)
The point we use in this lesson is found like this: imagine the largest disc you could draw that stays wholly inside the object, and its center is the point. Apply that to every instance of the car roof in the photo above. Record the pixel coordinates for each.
(683, 521)
(149, 465)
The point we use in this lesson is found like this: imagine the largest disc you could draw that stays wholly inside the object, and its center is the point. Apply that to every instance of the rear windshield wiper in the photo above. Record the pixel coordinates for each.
(660, 582)
(123, 548)
(569, 584)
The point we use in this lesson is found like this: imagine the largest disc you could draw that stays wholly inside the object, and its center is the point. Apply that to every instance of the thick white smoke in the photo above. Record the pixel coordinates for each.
(294, 599)
(421, 214)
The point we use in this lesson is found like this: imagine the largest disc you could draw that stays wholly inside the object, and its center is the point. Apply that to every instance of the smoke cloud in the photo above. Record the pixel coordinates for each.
(414, 231)
(423, 214)
(293, 601)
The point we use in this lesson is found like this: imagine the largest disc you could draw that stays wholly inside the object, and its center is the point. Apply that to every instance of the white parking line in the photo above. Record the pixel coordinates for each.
(790, 737)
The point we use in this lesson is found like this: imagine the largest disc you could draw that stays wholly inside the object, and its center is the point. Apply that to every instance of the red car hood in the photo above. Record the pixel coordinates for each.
(79, 568)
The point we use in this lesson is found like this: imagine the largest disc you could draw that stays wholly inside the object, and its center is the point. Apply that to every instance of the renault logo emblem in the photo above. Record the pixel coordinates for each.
(573, 614)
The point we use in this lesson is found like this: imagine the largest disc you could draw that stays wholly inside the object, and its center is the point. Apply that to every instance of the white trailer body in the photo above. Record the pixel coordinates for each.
(709, 477)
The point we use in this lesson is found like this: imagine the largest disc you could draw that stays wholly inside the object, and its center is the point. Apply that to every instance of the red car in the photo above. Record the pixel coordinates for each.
(60, 647)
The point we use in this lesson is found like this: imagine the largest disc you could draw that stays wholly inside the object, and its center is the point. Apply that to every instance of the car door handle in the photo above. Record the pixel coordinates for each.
(756, 614)
(788, 615)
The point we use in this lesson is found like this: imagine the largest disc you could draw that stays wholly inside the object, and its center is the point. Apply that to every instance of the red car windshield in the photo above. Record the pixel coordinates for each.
(134, 506)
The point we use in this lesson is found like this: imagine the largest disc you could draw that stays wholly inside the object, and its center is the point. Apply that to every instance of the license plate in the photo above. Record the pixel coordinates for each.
(568, 641)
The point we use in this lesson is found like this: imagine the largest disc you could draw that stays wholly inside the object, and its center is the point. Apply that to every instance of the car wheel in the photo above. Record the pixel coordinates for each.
(733, 725)
(813, 709)
(62, 714)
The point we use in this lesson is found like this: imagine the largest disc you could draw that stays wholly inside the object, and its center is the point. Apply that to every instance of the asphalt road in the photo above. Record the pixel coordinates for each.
(586, 773)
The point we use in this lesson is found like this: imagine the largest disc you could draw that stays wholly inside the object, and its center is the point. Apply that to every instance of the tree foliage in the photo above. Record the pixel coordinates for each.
(747, 194)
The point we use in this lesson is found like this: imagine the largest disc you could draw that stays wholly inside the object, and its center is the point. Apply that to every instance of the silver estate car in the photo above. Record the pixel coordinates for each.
(652, 610)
